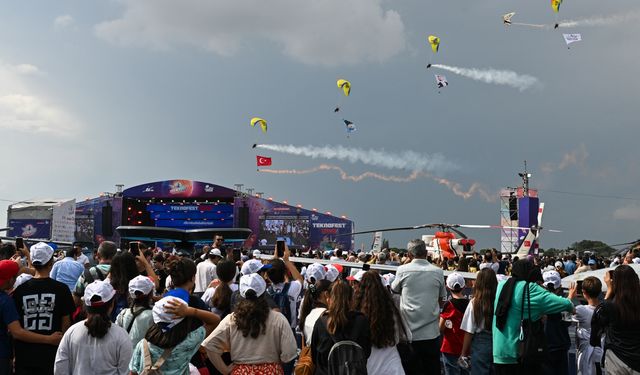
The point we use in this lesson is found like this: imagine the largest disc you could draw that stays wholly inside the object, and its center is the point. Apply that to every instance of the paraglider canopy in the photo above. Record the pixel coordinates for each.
(259, 121)
(345, 86)
(434, 41)
(507, 17)
(555, 5)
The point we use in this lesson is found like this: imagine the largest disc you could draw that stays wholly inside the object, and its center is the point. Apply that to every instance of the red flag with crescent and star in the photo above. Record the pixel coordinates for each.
(263, 161)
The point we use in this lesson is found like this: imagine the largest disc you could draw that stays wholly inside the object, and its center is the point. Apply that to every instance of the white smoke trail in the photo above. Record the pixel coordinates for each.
(602, 21)
(454, 187)
(498, 77)
(410, 160)
(536, 25)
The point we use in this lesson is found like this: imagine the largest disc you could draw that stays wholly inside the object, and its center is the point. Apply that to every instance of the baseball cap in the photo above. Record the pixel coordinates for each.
(253, 282)
(8, 269)
(161, 317)
(253, 266)
(256, 253)
(636, 260)
(41, 253)
(592, 262)
(215, 252)
(316, 271)
(389, 277)
(21, 279)
(552, 277)
(101, 289)
(357, 277)
(333, 272)
(559, 264)
(455, 281)
(141, 284)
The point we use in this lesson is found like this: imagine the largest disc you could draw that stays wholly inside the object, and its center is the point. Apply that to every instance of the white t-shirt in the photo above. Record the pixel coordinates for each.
(208, 294)
(82, 259)
(294, 291)
(205, 273)
(468, 321)
(310, 321)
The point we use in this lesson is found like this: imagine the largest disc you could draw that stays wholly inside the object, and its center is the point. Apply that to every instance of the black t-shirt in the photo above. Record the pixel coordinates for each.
(41, 305)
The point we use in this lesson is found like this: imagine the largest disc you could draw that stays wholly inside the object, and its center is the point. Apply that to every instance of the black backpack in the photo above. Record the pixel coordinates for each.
(532, 344)
(282, 299)
(346, 357)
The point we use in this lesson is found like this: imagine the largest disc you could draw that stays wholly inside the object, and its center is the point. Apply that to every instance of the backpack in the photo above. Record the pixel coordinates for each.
(346, 357)
(151, 368)
(79, 315)
(282, 299)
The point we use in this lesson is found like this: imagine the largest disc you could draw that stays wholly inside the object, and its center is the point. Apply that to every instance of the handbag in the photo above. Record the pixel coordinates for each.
(304, 366)
(532, 345)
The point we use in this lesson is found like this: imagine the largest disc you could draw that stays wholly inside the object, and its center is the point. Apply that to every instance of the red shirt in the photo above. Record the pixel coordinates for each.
(453, 336)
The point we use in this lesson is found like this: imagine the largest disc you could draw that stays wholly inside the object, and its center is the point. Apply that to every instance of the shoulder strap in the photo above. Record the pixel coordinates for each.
(285, 289)
(88, 277)
(135, 315)
(148, 365)
(524, 291)
(165, 355)
(147, 355)
(99, 273)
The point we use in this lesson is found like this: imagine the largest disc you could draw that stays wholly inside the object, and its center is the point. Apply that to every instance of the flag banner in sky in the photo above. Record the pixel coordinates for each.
(571, 38)
(263, 161)
(441, 80)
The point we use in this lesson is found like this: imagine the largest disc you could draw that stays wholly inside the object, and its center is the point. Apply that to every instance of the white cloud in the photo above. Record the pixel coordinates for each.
(62, 22)
(23, 109)
(317, 32)
(631, 212)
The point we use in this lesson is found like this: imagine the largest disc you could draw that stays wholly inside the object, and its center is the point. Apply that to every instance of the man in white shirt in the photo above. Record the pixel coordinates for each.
(206, 272)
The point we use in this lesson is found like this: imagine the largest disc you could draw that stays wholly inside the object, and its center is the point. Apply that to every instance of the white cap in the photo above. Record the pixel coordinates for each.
(21, 279)
(316, 271)
(357, 277)
(163, 318)
(141, 284)
(455, 281)
(552, 277)
(484, 265)
(41, 253)
(389, 277)
(253, 282)
(98, 288)
(333, 272)
(636, 260)
(559, 264)
(256, 253)
(253, 266)
(215, 252)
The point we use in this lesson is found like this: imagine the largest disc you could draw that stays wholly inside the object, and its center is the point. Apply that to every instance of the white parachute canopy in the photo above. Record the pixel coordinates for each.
(441, 81)
(572, 38)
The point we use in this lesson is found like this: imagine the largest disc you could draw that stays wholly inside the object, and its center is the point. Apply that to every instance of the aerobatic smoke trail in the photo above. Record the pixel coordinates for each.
(455, 187)
(602, 21)
(536, 25)
(406, 160)
(498, 77)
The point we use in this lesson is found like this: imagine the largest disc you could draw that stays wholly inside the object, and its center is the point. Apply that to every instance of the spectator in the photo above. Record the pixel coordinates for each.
(284, 293)
(170, 342)
(123, 269)
(509, 312)
(374, 301)
(206, 272)
(450, 320)
(94, 345)
(476, 323)
(583, 265)
(560, 269)
(80, 257)
(158, 268)
(313, 306)
(338, 323)
(570, 265)
(67, 270)
(557, 331)
(617, 318)
(106, 251)
(137, 319)
(44, 306)
(219, 297)
(588, 358)
(258, 338)
(422, 290)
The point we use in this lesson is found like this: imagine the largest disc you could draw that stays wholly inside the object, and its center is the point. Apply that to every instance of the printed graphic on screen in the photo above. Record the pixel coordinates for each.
(293, 229)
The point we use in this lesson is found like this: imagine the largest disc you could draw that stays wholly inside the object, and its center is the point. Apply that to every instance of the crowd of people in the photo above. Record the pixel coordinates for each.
(148, 311)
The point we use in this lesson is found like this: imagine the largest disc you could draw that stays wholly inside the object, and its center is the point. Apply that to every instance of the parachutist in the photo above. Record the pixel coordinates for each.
(556, 26)
(337, 109)
(428, 65)
(254, 145)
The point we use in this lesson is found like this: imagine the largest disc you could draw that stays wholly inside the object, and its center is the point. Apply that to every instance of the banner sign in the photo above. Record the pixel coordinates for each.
(30, 228)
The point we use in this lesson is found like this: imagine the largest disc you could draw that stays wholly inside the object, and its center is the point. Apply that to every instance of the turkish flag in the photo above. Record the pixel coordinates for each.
(263, 161)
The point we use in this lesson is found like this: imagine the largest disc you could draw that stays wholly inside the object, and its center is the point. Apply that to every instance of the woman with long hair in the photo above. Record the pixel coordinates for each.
(95, 345)
(338, 323)
(617, 318)
(219, 297)
(258, 338)
(137, 318)
(313, 305)
(375, 302)
(477, 324)
(123, 269)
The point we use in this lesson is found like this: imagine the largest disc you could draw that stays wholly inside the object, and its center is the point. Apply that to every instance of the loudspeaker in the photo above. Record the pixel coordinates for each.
(107, 222)
(243, 217)
(513, 207)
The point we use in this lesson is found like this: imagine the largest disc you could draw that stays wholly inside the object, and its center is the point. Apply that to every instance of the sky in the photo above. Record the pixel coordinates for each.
(94, 94)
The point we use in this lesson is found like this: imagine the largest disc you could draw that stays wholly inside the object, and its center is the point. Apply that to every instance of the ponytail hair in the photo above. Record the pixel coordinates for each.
(311, 299)
(98, 320)
(226, 271)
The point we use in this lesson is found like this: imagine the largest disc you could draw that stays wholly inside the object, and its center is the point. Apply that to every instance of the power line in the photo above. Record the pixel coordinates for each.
(591, 195)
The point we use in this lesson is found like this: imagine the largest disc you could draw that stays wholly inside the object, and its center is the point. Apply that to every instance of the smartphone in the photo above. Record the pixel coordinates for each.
(19, 243)
(237, 255)
(280, 248)
(366, 267)
(579, 287)
(134, 248)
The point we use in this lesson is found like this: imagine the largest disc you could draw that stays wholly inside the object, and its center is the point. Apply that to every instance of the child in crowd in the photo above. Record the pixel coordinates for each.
(557, 331)
(588, 357)
(450, 320)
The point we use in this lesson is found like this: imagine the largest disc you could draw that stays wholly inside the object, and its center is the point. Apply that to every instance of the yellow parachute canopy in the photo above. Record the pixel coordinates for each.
(259, 121)
(435, 43)
(555, 4)
(345, 86)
